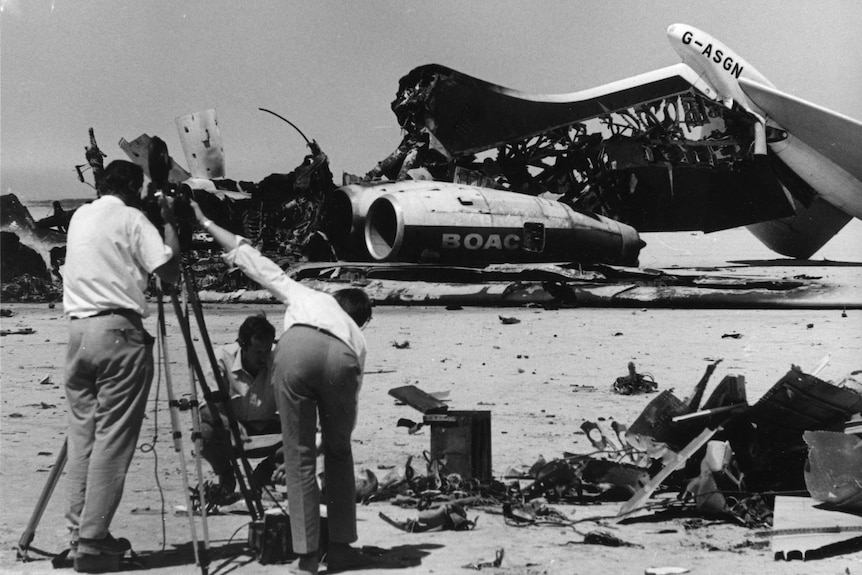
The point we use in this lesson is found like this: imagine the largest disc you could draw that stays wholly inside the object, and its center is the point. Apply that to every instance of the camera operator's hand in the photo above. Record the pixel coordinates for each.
(199, 214)
(166, 204)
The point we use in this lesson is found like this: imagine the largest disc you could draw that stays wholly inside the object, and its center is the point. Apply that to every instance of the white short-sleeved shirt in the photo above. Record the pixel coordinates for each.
(252, 397)
(304, 305)
(111, 249)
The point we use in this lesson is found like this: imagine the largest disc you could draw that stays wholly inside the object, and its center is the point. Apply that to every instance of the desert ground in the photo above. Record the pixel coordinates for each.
(541, 378)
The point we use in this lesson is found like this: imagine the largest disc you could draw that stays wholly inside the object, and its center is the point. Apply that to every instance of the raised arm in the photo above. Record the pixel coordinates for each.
(226, 239)
(252, 263)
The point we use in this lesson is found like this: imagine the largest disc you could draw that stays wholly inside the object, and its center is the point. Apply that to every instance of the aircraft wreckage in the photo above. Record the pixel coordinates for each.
(500, 197)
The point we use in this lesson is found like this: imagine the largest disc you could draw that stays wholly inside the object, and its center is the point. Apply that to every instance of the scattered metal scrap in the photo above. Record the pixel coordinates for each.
(805, 530)
(833, 475)
(527, 513)
(797, 403)
(634, 382)
(604, 537)
(19, 331)
(724, 458)
(497, 562)
(666, 570)
(556, 286)
(446, 517)
(752, 452)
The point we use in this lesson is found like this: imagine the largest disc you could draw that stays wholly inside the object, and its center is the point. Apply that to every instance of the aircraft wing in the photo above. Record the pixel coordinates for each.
(836, 136)
(468, 115)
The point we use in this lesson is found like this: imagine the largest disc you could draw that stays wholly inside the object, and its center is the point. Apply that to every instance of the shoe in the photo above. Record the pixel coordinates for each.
(108, 545)
(262, 475)
(220, 496)
(353, 559)
(103, 563)
(73, 544)
(227, 482)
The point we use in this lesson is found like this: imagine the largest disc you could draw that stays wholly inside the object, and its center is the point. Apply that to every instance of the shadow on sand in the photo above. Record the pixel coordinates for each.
(231, 556)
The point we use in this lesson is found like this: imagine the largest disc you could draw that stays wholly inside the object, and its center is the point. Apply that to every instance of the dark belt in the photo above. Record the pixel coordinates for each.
(315, 328)
(127, 313)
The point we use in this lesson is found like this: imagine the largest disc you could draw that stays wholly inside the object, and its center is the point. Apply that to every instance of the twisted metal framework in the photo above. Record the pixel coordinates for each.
(659, 156)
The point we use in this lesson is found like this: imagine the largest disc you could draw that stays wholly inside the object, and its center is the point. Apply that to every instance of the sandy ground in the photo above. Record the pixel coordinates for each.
(540, 378)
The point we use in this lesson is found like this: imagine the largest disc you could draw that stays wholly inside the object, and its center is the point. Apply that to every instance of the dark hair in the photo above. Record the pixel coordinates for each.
(121, 177)
(356, 303)
(255, 326)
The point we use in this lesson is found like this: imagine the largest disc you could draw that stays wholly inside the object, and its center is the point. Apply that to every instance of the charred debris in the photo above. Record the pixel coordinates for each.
(788, 466)
(620, 165)
(281, 214)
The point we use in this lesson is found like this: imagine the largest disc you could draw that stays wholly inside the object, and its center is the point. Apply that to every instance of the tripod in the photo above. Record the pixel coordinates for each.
(241, 467)
(159, 162)
(201, 556)
(29, 533)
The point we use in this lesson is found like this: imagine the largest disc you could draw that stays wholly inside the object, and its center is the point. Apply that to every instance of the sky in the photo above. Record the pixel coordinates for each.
(130, 67)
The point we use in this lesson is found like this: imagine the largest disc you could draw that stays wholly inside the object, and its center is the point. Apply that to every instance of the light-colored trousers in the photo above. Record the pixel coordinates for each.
(315, 373)
(109, 369)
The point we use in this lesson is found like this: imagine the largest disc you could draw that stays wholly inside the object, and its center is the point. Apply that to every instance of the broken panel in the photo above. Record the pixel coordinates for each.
(775, 455)
(833, 474)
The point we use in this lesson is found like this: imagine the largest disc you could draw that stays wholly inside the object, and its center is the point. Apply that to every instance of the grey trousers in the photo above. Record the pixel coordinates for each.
(109, 369)
(315, 373)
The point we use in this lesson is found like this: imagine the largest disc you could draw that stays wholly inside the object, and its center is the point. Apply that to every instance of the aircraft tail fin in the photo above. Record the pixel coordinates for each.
(836, 136)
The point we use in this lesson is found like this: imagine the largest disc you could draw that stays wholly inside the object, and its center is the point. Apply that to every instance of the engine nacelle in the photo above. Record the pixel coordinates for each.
(347, 208)
(438, 222)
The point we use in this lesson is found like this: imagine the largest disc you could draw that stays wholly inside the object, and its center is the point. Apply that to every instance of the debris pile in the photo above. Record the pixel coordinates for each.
(23, 273)
(722, 459)
(283, 215)
(299, 217)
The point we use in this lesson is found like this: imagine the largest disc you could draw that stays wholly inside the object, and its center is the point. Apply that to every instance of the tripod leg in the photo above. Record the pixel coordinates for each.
(175, 426)
(198, 443)
(255, 507)
(30, 532)
(191, 289)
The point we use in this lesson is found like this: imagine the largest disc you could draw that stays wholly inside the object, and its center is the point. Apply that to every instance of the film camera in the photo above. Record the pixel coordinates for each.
(160, 164)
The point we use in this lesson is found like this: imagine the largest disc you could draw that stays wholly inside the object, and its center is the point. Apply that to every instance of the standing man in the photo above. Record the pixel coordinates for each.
(111, 249)
(317, 372)
(245, 367)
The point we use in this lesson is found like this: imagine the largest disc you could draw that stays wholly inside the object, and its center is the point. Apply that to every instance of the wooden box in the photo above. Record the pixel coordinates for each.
(461, 440)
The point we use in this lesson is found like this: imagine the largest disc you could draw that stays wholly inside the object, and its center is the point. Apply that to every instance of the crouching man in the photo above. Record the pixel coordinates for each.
(245, 367)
